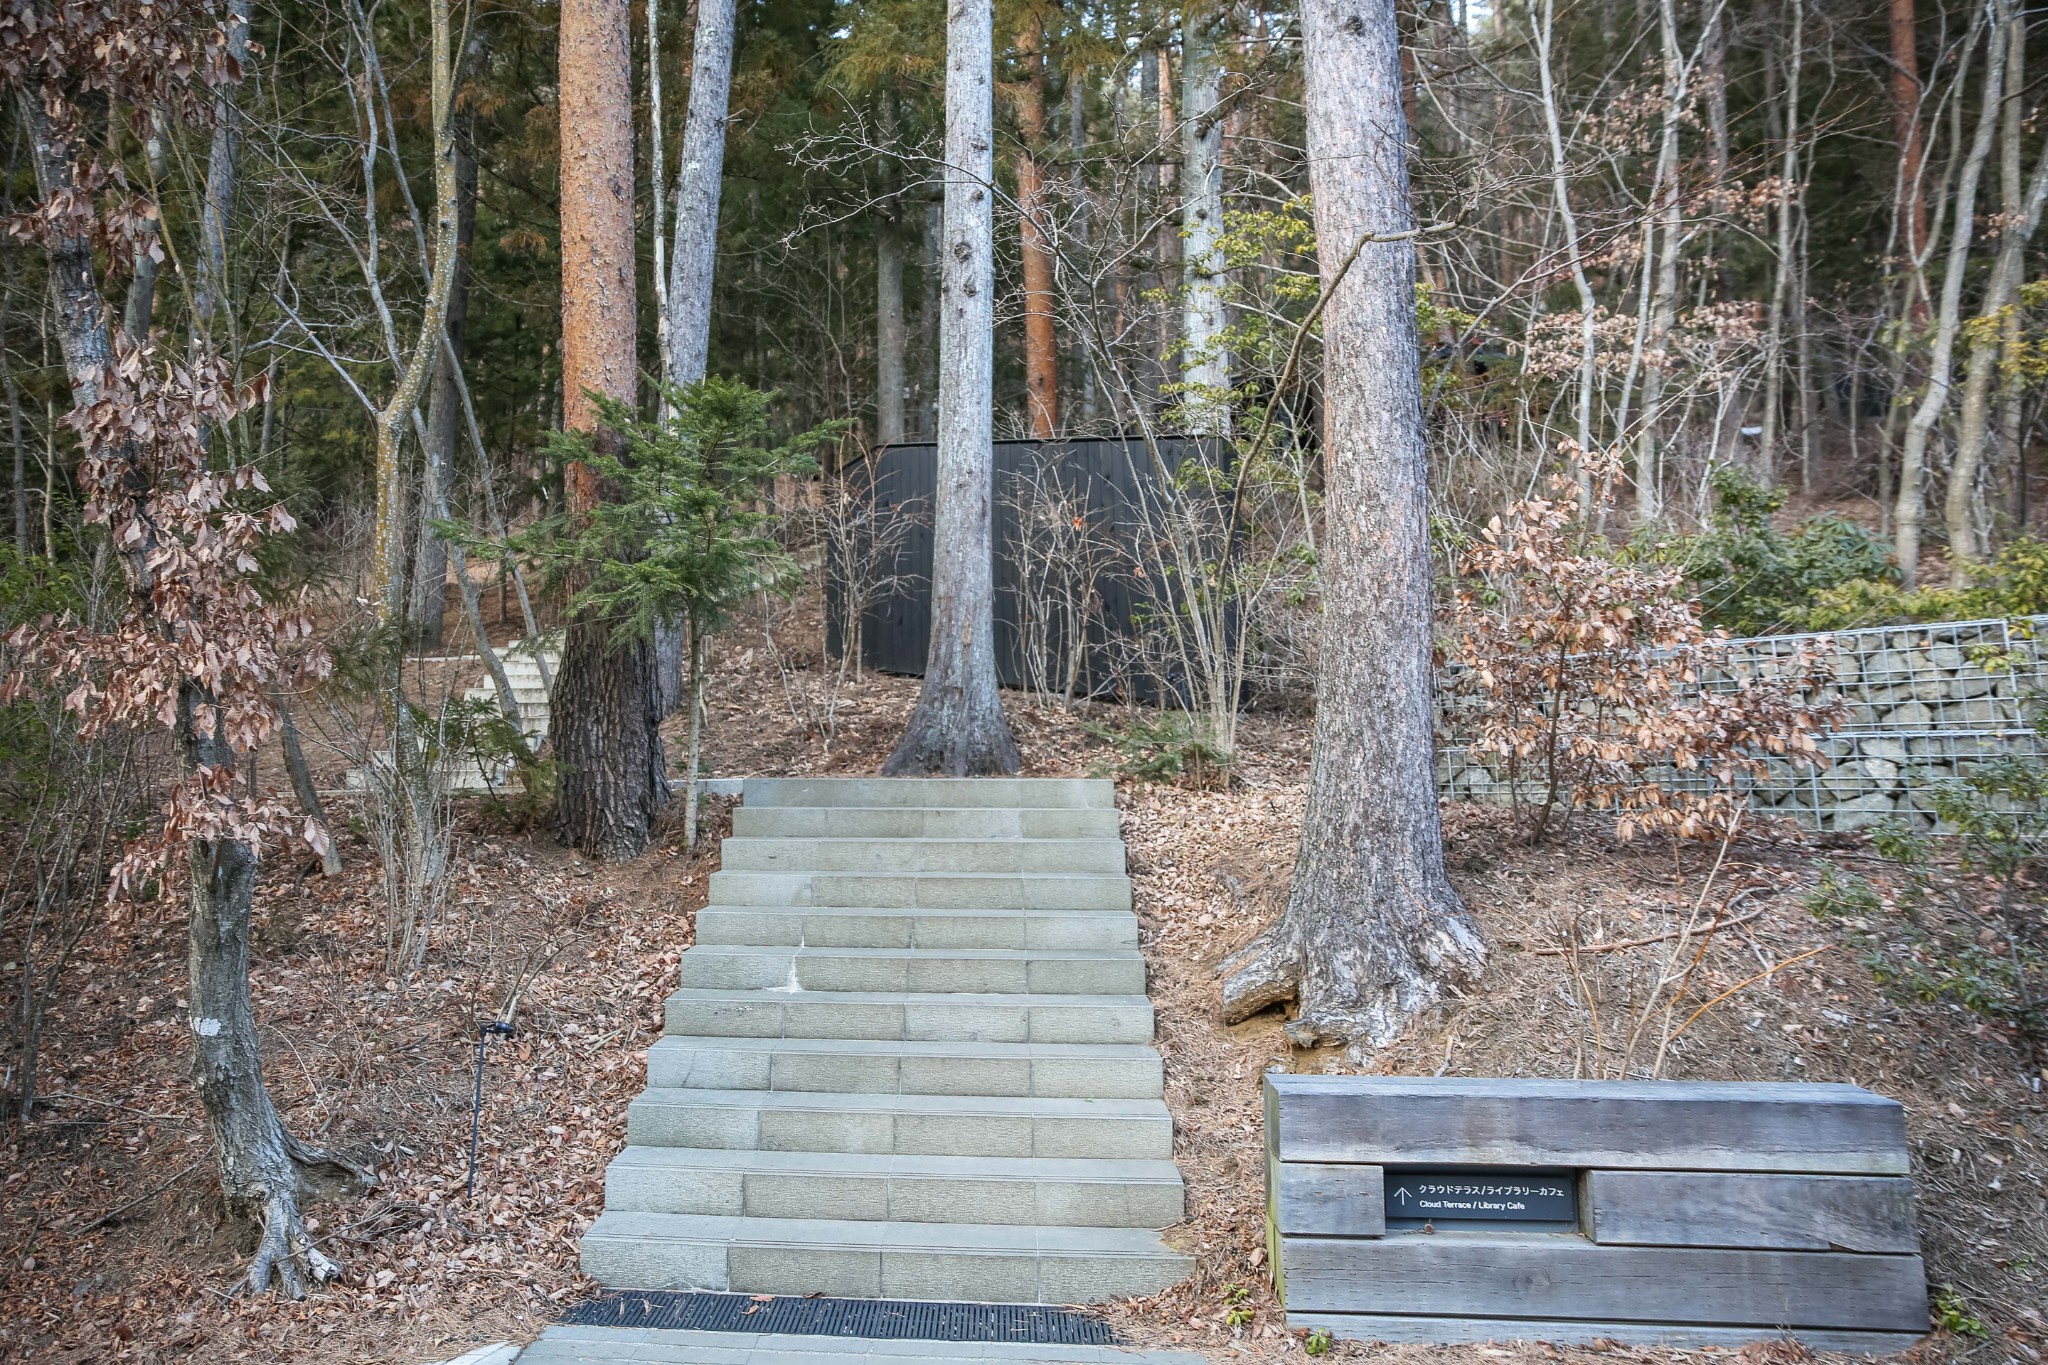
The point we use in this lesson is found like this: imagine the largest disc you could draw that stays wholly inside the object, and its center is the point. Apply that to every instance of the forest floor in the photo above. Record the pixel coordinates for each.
(114, 1245)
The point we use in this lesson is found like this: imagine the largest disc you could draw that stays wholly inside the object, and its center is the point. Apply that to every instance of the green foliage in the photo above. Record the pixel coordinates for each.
(1843, 896)
(1750, 577)
(1237, 1309)
(1169, 749)
(1986, 955)
(1952, 1314)
(2013, 583)
(684, 531)
(1318, 1343)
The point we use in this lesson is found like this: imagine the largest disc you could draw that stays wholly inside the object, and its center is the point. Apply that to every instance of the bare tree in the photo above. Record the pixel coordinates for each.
(958, 727)
(1372, 925)
(698, 180)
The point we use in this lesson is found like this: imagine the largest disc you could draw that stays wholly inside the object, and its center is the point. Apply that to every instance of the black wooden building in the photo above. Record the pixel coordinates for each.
(1119, 484)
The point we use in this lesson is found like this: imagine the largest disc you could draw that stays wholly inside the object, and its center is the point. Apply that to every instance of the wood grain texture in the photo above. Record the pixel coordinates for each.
(1484, 1275)
(1787, 1212)
(1624, 1125)
(1452, 1331)
(1331, 1201)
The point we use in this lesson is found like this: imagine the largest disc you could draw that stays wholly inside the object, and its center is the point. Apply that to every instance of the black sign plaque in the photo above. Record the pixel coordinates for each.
(1448, 1194)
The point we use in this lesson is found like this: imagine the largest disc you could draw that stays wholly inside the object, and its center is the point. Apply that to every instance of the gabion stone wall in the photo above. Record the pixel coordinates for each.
(1924, 704)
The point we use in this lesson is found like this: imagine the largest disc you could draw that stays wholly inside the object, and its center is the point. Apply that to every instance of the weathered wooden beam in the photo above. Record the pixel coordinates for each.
(1789, 1212)
(1395, 1328)
(1330, 1201)
(1622, 1125)
(1489, 1275)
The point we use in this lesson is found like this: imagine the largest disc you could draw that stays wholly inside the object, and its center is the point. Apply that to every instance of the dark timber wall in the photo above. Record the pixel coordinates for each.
(1113, 478)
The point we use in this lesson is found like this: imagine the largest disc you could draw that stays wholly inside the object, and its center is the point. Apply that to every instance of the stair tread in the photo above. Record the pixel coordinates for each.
(1108, 1170)
(971, 954)
(842, 1101)
(999, 1238)
(689, 994)
(964, 1049)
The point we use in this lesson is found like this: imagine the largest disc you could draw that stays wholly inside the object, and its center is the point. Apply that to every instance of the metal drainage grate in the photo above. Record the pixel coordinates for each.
(872, 1319)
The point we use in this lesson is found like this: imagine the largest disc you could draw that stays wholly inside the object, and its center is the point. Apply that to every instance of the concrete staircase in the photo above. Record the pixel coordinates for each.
(522, 664)
(910, 1059)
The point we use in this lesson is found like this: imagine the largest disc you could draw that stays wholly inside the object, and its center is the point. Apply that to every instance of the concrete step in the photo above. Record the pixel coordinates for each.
(904, 1189)
(918, 891)
(846, 927)
(734, 967)
(925, 792)
(925, 822)
(911, 1015)
(907, 1125)
(976, 1262)
(893, 856)
(563, 1345)
(1054, 1070)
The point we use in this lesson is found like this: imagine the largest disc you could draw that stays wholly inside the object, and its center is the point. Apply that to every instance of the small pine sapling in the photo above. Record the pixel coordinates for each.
(686, 531)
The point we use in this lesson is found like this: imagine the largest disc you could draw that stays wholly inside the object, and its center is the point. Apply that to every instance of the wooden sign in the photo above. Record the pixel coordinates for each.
(1438, 1194)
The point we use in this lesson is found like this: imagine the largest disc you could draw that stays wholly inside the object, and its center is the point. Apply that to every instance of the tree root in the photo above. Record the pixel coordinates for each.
(1349, 990)
(286, 1252)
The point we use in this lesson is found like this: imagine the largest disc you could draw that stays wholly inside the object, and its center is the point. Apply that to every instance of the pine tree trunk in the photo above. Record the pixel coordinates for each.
(606, 710)
(1041, 341)
(1912, 192)
(957, 728)
(1372, 925)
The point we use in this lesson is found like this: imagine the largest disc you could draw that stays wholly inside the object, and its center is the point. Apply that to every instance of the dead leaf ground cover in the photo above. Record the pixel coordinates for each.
(113, 1246)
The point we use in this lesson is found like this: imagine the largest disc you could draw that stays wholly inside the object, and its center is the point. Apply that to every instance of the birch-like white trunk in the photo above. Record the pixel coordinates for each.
(957, 728)
(1205, 364)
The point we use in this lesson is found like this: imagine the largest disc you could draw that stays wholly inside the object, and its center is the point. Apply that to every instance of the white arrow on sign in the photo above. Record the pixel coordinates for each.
(1401, 1193)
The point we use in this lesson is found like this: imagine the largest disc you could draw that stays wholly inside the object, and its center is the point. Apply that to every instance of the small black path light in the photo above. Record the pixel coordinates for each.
(476, 1111)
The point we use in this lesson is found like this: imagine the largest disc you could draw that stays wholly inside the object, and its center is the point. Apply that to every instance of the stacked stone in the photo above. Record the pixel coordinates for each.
(1922, 705)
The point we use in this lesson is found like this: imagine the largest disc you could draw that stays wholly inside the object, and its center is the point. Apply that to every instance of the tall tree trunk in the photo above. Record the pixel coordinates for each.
(1041, 342)
(141, 305)
(444, 399)
(605, 719)
(400, 413)
(1158, 85)
(2022, 215)
(698, 181)
(1205, 363)
(1372, 925)
(1077, 186)
(890, 340)
(889, 333)
(1781, 281)
(1948, 319)
(264, 1170)
(1912, 193)
(958, 728)
(1574, 253)
(217, 207)
(1666, 207)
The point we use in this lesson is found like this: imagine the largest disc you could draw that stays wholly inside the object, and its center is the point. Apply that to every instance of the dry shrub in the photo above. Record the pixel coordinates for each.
(1585, 673)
